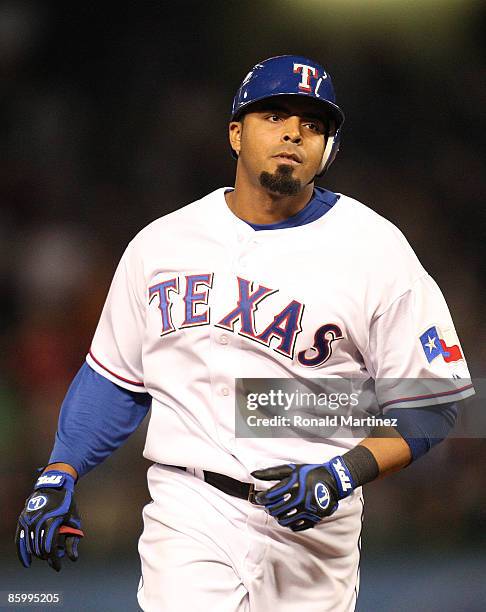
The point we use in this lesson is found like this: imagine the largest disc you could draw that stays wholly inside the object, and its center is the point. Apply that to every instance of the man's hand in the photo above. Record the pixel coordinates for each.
(49, 525)
(306, 492)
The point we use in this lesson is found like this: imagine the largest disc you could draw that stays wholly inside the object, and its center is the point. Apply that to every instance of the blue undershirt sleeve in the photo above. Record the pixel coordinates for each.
(423, 428)
(96, 417)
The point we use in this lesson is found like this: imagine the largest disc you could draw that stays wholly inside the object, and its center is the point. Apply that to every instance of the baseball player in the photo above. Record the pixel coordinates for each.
(272, 278)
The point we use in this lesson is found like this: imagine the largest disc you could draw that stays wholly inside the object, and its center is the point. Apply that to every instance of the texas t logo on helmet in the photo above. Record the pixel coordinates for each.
(307, 72)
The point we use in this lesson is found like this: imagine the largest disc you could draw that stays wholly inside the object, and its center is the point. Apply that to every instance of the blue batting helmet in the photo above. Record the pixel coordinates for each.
(293, 75)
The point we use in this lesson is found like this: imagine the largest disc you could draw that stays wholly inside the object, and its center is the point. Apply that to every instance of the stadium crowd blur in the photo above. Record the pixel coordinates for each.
(109, 121)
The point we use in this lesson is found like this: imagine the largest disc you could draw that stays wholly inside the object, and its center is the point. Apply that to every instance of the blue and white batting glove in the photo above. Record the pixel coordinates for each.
(49, 525)
(306, 492)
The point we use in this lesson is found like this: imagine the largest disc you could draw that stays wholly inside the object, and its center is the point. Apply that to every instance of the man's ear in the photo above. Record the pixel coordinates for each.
(234, 133)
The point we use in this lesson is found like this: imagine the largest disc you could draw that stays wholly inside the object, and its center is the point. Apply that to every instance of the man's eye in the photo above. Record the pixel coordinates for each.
(314, 127)
(273, 118)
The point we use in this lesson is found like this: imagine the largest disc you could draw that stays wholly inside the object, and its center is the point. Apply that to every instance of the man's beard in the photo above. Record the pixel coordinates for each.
(281, 181)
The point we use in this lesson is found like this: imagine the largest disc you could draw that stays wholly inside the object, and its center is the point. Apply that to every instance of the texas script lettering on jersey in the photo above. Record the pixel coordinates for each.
(285, 326)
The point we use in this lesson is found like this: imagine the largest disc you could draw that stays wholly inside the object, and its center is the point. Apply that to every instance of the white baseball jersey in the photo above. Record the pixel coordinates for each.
(200, 298)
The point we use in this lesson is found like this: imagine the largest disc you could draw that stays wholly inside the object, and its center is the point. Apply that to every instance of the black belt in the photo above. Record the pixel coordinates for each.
(243, 490)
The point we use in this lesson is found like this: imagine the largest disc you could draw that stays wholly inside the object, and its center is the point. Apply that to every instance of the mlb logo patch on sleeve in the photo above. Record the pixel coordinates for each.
(434, 346)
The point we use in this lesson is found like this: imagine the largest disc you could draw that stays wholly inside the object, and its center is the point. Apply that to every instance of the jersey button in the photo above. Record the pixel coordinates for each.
(223, 339)
(225, 391)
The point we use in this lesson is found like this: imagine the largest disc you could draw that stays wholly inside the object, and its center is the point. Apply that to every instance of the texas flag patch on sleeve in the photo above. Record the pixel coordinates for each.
(434, 346)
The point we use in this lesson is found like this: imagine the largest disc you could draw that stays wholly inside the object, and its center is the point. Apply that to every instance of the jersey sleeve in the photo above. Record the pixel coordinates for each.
(414, 353)
(116, 350)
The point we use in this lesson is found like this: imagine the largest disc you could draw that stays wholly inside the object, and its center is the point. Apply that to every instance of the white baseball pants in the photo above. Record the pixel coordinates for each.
(205, 551)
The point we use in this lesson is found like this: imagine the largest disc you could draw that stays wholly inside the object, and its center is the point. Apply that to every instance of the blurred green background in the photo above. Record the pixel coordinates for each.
(112, 115)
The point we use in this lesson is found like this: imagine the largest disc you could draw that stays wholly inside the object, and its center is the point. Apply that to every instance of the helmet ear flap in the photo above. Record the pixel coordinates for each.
(326, 155)
(330, 152)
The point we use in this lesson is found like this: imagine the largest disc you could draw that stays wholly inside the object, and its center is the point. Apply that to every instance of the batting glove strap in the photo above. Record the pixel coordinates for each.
(55, 479)
(342, 475)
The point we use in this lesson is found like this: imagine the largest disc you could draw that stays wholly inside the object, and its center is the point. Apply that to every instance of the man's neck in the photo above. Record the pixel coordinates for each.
(257, 205)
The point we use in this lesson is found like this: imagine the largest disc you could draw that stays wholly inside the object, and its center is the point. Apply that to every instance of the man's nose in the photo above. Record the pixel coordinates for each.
(291, 131)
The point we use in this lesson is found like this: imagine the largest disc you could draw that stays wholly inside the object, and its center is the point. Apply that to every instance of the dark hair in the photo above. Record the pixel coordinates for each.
(240, 118)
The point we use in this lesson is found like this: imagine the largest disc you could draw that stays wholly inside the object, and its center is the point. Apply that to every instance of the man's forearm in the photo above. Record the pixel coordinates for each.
(63, 467)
